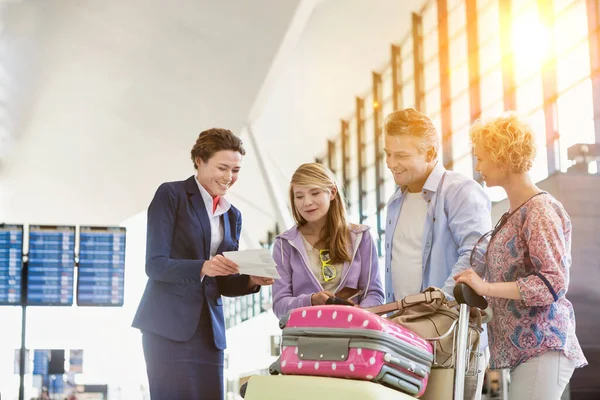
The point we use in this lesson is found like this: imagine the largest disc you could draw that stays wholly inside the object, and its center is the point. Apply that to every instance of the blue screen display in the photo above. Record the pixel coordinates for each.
(51, 265)
(11, 263)
(40, 362)
(101, 277)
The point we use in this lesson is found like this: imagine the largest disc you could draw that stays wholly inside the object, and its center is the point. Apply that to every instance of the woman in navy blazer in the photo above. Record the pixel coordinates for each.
(180, 314)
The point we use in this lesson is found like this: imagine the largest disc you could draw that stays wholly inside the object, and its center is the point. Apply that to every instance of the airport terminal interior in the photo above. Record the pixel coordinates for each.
(101, 102)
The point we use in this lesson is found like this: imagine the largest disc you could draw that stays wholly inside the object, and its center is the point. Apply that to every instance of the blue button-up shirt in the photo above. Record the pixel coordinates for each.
(458, 214)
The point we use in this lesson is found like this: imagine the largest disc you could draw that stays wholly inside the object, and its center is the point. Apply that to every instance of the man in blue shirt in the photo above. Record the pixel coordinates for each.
(434, 218)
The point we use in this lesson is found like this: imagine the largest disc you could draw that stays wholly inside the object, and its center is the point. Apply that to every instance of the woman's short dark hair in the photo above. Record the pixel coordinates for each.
(213, 140)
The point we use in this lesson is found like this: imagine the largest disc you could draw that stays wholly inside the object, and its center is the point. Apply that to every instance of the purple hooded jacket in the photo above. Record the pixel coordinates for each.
(298, 282)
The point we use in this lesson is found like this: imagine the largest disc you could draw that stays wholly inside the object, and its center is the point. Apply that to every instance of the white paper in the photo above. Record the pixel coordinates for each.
(254, 262)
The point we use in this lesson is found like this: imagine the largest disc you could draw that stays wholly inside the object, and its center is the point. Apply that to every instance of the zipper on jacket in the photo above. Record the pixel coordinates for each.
(343, 280)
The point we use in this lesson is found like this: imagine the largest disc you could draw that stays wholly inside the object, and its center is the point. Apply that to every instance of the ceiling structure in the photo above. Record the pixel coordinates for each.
(104, 100)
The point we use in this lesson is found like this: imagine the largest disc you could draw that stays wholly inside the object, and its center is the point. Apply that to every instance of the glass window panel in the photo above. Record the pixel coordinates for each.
(386, 87)
(265, 298)
(368, 103)
(520, 7)
(368, 132)
(352, 167)
(250, 306)
(464, 165)
(491, 89)
(458, 50)
(337, 150)
(250, 302)
(572, 67)
(485, 4)
(243, 310)
(382, 165)
(461, 111)
(429, 16)
(436, 119)
(539, 170)
(338, 159)
(370, 203)
(452, 4)
(461, 143)
(570, 27)
(389, 185)
(560, 5)
(383, 224)
(408, 94)
(432, 101)
(432, 74)
(456, 18)
(371, 222)
(530, 94)
(408, 68)
(387, 109)
(370, 151)
(257, 307)
(352, 195)
(226, 308)
(488, 21)
(351, 210)
(430, 44)
(331, 162)
(529, 42)
(575, 118)
(353, 214)
(493, 110)
(406, 49)
(495, 193)
(369, 179)
(459, 79)
(490, 55)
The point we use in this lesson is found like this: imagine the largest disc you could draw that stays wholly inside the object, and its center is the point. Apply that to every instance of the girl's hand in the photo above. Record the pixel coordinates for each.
(320, 298)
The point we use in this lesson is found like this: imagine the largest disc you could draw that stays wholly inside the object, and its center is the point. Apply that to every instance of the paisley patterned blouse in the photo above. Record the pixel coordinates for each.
(533, 249)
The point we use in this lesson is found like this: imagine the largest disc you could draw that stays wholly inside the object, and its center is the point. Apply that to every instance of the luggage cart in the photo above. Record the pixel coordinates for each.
(301, 387)
(466, 298)
(459, 379)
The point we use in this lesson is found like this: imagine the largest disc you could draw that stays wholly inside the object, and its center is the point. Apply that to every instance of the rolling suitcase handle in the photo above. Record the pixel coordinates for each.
(467, 298)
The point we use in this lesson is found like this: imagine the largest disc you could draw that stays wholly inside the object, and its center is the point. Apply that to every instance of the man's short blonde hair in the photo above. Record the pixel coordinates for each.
(411, 122)
(508, 140)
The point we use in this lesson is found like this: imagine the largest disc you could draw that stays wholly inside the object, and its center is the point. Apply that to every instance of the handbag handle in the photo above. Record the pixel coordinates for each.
(410, 300)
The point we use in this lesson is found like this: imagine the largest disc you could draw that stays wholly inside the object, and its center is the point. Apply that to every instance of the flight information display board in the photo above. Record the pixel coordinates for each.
(11, 263)
(51, 265)
(101, 277)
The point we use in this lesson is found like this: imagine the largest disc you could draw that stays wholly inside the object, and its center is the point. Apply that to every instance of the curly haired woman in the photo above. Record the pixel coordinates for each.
(525, 265)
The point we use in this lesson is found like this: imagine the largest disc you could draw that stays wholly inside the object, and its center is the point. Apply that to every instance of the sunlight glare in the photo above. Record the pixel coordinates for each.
(530, 43)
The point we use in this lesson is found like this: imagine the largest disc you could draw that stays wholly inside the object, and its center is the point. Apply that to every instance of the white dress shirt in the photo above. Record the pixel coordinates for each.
(216, 225)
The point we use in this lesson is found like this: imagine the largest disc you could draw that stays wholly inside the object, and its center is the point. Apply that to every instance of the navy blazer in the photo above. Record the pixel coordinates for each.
(178, 243)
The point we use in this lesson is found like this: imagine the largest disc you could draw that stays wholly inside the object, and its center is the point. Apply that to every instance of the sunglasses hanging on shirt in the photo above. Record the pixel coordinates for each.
(328, 270)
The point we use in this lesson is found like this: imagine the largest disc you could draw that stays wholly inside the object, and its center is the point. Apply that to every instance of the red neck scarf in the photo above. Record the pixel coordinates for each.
(216, 203)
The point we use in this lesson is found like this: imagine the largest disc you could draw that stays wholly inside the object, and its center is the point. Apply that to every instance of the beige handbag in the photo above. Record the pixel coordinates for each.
(430, 315)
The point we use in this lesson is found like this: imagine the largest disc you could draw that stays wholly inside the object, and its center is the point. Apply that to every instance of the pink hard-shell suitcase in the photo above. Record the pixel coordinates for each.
(348, 342)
